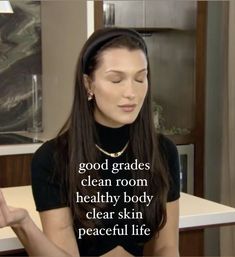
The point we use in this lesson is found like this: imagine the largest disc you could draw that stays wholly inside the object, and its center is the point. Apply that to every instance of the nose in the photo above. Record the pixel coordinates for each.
(129, 91)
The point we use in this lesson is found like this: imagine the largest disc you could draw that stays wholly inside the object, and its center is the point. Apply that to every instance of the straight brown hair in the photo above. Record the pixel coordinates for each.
(77, 138)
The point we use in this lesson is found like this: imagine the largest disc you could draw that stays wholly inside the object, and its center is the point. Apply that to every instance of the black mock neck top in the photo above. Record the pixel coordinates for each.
(112, 139)
(47, 194)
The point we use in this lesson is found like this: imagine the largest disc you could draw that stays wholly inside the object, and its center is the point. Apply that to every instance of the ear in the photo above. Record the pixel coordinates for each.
(87, 82)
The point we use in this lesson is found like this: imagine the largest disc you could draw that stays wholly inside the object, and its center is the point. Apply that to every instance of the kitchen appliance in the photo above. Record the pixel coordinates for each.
(186, 158)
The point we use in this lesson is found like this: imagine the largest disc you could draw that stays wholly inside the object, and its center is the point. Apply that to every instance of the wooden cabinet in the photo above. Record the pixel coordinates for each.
(114, 13)
(20, 252)
(15, 170)
(191, 243)
(150, 14)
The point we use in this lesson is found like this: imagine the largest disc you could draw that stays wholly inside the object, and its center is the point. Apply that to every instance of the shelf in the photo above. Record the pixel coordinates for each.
(162, 30)
(159, 30)
(182, 139)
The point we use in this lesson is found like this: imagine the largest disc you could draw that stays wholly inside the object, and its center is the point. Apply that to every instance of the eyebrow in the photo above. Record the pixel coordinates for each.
(121, 72)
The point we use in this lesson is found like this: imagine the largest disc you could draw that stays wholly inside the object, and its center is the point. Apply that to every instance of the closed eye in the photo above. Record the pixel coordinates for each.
(141, 79)
(116, 81)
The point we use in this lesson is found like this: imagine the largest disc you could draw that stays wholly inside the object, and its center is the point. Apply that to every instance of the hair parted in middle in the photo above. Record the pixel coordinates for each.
(76, 140)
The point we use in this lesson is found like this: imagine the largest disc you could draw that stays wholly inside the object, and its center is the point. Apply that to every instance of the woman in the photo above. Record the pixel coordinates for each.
(108, 141)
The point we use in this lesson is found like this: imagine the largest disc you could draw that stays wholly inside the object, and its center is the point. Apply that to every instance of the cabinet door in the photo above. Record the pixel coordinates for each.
(126, 13)
(170, 14)
(151, 14)
(186, 248)
(172, 63)
(15, 170)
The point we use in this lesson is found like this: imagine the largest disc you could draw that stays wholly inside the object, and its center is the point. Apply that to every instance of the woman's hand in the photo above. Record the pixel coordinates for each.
(32, 237)
(10, 216)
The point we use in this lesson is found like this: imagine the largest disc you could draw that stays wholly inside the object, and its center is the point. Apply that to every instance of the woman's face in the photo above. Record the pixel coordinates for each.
(119, 86)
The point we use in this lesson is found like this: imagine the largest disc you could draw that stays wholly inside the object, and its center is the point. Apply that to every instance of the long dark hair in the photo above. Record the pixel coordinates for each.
(77, 138)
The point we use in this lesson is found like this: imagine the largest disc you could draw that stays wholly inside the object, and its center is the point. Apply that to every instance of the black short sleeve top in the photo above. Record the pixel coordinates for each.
(47, 193)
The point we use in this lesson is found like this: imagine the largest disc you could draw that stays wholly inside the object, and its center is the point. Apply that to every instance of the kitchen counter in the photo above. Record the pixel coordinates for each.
(195, 212)
(19, 149)
(26, 148)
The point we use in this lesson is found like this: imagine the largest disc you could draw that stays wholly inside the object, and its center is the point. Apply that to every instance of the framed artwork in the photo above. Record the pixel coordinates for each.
(21, 67)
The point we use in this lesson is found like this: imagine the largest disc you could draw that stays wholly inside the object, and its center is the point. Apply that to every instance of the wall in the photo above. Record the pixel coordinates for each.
(216, 58)
(227, 234)
(232, 44)
(64, 31)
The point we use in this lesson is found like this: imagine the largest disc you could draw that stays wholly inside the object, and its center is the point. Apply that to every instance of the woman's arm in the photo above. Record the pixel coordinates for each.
(58, 238)
(167, 244)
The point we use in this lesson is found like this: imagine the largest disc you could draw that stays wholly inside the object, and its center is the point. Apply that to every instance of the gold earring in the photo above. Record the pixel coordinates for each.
(90, 96)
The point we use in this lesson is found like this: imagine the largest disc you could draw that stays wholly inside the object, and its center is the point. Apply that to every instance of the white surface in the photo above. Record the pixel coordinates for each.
(90, 18)
(194, 212)
(198, 212)
(24, 148)
(18, 149)
(5, 7)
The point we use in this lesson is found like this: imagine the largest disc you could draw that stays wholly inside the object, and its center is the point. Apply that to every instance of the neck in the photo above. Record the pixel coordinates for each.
(110, 125)
(112, 139)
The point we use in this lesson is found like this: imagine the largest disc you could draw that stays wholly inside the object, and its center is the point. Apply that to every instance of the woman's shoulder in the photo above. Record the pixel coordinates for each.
(46, 186)
(45, 151)
(167, 147)
(47, 146)
(170, 154)
(42, 163)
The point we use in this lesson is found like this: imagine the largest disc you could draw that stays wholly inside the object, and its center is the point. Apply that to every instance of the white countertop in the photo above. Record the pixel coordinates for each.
(195, 212)
(19, 149)
(30, 148)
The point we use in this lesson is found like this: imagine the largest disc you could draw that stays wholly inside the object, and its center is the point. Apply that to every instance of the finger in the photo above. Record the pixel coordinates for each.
(12, 208)
(2, 199)
(3, 206)
(10, 215)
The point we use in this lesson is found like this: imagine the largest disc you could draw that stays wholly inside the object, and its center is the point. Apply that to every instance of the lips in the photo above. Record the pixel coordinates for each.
(128, 107)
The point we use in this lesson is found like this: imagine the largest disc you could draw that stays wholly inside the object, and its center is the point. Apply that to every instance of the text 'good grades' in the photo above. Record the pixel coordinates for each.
(116, 167)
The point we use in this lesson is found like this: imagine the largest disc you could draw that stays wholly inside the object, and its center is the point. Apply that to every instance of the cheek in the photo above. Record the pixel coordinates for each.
(105, 94)
(142, 92)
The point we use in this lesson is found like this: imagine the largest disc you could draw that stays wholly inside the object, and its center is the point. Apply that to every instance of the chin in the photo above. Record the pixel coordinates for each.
(127, 120)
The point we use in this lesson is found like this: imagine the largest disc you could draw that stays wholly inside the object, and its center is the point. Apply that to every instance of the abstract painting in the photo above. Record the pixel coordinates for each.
(20, 67)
